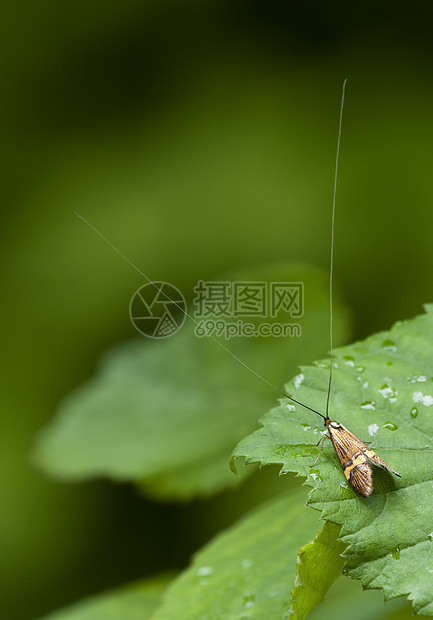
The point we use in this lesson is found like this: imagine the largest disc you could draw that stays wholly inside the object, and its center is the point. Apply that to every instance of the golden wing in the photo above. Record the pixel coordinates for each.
(353, 455)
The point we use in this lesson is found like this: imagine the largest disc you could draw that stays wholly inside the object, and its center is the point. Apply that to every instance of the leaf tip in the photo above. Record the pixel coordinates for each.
(232, 464)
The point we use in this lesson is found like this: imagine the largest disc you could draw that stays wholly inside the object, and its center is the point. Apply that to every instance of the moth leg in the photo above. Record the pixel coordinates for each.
(322, 441)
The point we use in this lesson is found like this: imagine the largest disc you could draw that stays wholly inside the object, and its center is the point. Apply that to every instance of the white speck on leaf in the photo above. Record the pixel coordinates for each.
(372, 429)
(426, 400)
(299, 380)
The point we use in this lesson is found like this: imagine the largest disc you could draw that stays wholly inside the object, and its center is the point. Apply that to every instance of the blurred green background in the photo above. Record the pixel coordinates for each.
(198, 137)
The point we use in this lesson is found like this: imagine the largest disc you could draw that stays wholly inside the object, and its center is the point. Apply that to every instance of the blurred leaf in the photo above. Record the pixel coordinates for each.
(167, 414)
(347, 599)
(134, 602)
(382, 388)
(249, 570)
(319, 564)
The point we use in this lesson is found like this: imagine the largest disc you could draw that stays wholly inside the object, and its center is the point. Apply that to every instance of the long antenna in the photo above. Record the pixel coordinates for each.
(331, 268)
(125, 258)
(331, 272)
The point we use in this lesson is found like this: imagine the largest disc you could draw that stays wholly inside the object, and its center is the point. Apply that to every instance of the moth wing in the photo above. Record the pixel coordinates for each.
(378, 461)
(361, 479)
(351, 454)
(344, 442)
(352, 439)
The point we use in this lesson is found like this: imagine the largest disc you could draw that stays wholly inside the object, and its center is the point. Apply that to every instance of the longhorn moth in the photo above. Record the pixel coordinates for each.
(354, 455)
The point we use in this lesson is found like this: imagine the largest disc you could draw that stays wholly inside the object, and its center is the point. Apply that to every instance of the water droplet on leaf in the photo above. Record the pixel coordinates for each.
(389, 345)
(395, 552)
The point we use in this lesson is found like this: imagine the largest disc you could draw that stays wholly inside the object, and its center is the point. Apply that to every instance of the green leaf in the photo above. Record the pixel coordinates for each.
(382, 391)
(167, 413)
(319, 564)
(249, 570)
(134, 602)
